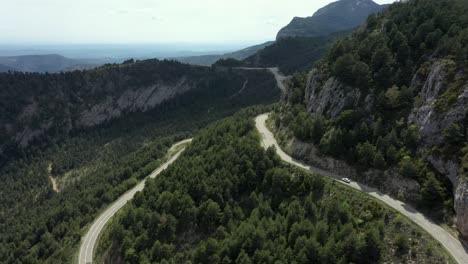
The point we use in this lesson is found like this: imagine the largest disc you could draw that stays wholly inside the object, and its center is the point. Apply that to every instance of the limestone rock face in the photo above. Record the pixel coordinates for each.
(461, 207)
(330, 99)
(133, 99)
(142, 99)
(432, 124)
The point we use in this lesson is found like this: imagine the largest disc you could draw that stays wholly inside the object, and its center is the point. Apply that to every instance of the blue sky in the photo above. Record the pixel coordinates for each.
(148, 21)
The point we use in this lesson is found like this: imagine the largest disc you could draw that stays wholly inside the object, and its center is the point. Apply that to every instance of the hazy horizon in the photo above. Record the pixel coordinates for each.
(125, 22)
(121, 51)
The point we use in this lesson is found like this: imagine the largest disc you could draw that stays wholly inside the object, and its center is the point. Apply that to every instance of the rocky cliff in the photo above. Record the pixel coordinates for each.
(132, 100)
(331, 97)
(46, 107)
(395, 93)
(32, 121)
(433, 122)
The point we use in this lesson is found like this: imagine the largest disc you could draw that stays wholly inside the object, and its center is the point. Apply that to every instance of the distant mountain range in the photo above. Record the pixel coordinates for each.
(308, 38)
(303, 41)
(46, 63)
(338, 16)
(207, 60)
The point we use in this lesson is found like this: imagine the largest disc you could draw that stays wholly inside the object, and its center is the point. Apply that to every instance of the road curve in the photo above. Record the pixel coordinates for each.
(275, 71)
(453, 245)
(90, 239)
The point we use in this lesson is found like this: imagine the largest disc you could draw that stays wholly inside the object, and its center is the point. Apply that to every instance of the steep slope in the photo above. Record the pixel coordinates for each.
(37, 105)
(94, 165)
(338, 16)
(393, 97)
(208, 60)
(445, 237)
(293, 54)
(227, 200)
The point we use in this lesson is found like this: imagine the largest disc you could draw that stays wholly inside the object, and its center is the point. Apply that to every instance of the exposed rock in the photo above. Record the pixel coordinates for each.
(447, 167)
(432, 124)
(388, 181)
(461, 207)
(331, 98)
(132, 100)
(450, 169)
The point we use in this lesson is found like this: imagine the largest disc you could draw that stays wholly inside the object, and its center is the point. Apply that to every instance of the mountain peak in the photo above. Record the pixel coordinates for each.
(337, 16)
(350, 5)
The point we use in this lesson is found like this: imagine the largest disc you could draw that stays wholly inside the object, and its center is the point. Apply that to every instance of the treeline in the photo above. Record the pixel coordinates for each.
(227, 200)
(94, 166)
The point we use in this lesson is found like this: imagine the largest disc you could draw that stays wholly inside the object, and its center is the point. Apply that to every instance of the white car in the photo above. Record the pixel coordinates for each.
(347, 180)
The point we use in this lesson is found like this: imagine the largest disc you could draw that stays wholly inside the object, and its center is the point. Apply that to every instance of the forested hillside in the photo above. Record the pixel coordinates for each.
(227, 200)
(393, 96)
(341, 15)
(42, 63)
(386, 105)
(46, 107)
(209, 60)
(294, 54)
(92, 167)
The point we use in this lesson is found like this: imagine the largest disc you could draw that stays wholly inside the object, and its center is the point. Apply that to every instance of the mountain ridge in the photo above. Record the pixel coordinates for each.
(337, 16)
(208, 60)
(50, 63)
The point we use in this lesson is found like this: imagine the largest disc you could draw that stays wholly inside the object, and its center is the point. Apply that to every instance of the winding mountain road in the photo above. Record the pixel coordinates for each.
(89, 241)
(453, 245)
(275, 71)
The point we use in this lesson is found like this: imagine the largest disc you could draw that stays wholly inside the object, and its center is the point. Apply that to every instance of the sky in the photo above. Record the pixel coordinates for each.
(148, 21)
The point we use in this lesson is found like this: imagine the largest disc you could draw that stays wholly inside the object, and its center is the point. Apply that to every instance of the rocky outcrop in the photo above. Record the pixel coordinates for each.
(432, 124)
(130, 100)
(331, 98)
(142, 99)
(461, 206)
(388, 181)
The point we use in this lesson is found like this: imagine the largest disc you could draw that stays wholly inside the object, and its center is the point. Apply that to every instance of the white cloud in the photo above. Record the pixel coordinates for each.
(128, 21)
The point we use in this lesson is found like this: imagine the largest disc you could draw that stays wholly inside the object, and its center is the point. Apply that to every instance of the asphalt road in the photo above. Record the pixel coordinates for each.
(90, 239)
(275, 71)
(452, 244)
